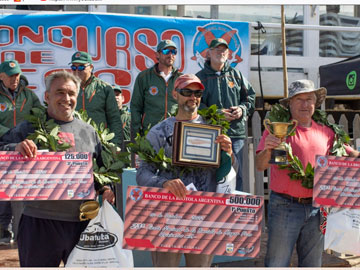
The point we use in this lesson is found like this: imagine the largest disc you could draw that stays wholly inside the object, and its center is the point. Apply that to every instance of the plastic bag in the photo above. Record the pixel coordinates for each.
(228, 184)
(100, 245)
(343, 231)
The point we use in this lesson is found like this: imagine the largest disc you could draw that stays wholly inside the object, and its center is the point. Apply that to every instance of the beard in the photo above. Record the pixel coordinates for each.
(187, 108)
(167, 62)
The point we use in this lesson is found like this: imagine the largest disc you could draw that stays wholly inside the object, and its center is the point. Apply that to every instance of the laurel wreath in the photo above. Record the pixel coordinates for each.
(297, 170)
(46, 136)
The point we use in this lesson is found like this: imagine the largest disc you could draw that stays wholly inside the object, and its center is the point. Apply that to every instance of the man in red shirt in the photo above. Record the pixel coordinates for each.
(292, 218)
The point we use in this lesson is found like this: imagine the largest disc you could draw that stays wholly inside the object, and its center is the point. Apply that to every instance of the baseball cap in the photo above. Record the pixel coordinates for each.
(187, 79)
(165, 44)
(116, 88)
(10, 67)
(218, 41)
(81, 58)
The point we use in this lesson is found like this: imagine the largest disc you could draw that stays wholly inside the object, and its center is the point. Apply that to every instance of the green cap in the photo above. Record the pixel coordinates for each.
(81, 58)
(225, 166)
(116, 88)
(165, 44)
(218, 41)
(10, 67)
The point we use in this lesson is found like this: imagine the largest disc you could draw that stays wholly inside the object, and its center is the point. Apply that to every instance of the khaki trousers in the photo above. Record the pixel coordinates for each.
(169, 259)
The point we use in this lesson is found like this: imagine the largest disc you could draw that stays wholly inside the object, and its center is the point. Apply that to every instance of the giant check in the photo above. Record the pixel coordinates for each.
(204, 222)
(337, 182)
(49, 176)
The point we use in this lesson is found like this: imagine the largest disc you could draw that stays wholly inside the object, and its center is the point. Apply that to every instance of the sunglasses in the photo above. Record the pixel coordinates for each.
(167, 51)
(79, 68)
(188, 92)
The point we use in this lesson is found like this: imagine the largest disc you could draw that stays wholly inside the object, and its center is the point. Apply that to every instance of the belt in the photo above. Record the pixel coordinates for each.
(307, 200)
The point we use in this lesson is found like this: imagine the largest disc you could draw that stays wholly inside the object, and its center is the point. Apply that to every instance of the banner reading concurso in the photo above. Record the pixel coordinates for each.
(121, 46)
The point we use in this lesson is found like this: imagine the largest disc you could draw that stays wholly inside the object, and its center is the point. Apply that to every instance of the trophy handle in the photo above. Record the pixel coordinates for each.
(267, 122)
(295, 123)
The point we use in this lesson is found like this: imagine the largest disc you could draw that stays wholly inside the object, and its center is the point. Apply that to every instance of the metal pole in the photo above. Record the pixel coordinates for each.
(283, 39)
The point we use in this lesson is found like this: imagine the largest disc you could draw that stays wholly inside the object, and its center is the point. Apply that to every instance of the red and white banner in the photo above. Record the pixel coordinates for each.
(202, 223)
(337, 182)
(48, 176)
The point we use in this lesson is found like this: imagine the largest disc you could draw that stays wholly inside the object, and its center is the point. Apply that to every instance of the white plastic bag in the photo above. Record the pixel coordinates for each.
(228, 184)
(343, 231)
(100, 245)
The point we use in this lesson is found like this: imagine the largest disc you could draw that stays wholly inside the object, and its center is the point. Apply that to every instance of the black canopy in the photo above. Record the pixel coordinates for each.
(340, 78)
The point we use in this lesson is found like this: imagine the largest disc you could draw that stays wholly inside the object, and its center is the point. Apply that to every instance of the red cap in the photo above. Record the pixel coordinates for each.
(187, 79)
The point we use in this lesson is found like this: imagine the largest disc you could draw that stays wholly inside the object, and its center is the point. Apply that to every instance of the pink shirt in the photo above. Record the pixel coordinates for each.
(306, 144)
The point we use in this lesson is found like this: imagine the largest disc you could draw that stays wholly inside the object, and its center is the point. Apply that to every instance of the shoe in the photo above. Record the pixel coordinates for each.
(5, 237)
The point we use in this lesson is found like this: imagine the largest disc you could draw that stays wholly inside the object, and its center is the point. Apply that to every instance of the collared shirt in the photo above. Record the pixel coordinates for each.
(306, 144)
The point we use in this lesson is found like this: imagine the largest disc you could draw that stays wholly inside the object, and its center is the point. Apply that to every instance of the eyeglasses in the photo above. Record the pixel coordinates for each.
(79, 68)
(188, 92)
(167, 51)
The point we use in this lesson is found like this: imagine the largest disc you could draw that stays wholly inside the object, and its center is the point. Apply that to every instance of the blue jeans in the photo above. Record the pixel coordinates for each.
(291, 223)
(237, 147)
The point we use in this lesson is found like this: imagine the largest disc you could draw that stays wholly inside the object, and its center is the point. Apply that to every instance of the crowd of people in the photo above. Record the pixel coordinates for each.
(162, 95)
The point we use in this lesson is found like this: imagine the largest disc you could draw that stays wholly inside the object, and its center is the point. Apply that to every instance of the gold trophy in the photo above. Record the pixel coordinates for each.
(279, 130)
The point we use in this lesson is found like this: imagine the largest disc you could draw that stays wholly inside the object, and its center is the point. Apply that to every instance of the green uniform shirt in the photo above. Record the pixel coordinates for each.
(152, 99)
(226, 89)
(13, 109)
(98, 99)
(125, 120)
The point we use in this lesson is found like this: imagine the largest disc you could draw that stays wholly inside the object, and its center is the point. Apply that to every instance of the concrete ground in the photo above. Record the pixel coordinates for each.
(9, 258)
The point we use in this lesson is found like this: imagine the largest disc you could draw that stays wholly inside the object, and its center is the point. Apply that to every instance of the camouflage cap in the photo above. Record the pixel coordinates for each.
(304, 86)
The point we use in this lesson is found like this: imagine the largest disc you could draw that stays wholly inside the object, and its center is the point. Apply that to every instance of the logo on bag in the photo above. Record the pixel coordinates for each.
(136, 194)
(96, 237)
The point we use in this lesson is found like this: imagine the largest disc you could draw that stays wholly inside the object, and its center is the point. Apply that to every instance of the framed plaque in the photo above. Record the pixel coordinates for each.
(194, 145)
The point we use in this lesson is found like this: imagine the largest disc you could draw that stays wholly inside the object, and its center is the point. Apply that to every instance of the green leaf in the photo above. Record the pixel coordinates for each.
(108, 137)
(118, 165)
(107, 159)
(54, 131)
(309, 169)
(52, 143)
(102, 169)
(31, 118)
(63, 146)
(102, 179)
